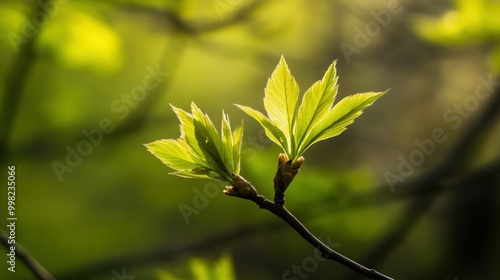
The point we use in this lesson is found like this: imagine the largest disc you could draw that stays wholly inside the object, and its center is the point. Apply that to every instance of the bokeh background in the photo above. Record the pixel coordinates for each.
(108, 209)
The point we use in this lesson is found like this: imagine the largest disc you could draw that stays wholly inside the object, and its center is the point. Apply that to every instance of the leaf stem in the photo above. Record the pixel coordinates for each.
(326, 251)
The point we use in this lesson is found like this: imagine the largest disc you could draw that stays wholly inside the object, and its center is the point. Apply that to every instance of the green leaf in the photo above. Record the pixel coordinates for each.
(199, 172)
(211, 144)
(201, 152)
(176, 154)
(337, 119)
(187, 129)
(315, 120)
(228, 142)
(316, 103)
(272, 131)
(280, 100)
(237, 143)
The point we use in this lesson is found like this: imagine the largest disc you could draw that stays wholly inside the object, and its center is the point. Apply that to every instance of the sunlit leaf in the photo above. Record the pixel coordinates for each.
(237, 142)
(342, 115)
(316, 103)
(199, 172)
(187, 129)
(281, 97)
(201, 152)
(315, 120)
(273, 132)
(175, 154)
(211, 144)
(227, 141)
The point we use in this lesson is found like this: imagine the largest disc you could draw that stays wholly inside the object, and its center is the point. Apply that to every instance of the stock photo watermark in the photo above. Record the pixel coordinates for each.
(309, 265)
(94, 137)
(364, 36)
(224, 7)
(30, 28)
(11, 218)
(454, 118)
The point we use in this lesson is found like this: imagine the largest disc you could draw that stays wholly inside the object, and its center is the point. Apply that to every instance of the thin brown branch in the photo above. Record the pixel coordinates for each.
(169, 253)
(16, 81)
(326, 251)
(21, 253)
(14, 87)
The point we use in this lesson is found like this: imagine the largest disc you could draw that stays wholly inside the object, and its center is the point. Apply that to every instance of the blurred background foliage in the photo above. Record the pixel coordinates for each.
(68, 65)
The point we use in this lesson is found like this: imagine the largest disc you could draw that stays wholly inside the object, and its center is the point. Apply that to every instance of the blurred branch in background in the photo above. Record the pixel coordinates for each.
(169, 253)
(14, 86)
(15, 83)
(470, 193)
(21, 70)
(28, 260)
(180, 28)
(422, 192)
(195, 28)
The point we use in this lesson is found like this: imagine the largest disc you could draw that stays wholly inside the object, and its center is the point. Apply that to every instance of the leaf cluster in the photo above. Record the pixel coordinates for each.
(296, 127)
(203, 152)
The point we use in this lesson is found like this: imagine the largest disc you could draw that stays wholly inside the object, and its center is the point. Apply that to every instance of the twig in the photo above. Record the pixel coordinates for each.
(26, 258)
(15, 84)
(14, 87)
(326, 251)
(168, 253)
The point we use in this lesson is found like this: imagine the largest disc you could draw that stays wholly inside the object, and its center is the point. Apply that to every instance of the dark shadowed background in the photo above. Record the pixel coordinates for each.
(410, 189)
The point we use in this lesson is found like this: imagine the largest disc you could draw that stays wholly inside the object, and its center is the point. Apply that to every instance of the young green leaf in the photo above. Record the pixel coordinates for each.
(271, 130)
(176, 154)
(236, 147)
(201, 152)
(316, 103)
(280, 100)
(315, 120)
(210, 143)
(338, 118)
(187, 129)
